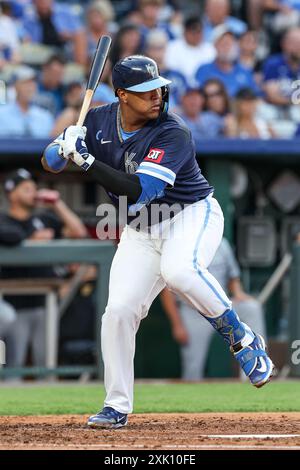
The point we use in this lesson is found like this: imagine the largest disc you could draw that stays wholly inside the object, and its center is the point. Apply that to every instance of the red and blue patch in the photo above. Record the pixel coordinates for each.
(155, 156)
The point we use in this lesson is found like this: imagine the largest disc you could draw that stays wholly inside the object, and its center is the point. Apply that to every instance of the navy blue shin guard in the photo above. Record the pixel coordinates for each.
(229, 326)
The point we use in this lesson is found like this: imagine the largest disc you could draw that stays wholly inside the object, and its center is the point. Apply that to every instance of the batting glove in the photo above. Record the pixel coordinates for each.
(70, 136)
(59, 141)
(81, 156)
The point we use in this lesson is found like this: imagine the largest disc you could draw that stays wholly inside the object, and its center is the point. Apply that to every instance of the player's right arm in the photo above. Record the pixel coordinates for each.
(53, 159)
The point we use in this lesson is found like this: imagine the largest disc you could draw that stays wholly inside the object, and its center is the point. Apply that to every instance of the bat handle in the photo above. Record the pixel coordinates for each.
(85, 107)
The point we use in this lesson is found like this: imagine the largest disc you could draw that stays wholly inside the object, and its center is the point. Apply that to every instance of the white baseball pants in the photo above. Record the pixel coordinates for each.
(141, 268)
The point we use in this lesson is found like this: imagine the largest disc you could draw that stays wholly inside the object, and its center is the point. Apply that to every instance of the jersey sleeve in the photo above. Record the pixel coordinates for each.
(167, 154)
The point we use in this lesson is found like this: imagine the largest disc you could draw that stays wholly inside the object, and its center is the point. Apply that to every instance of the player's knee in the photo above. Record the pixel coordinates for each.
(119, 312)
(176, 275)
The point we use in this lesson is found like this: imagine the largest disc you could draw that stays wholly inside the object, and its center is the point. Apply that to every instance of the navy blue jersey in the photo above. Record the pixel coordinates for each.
(163, 148)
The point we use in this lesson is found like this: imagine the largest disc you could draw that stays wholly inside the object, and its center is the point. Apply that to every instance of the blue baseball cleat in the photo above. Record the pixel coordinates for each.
(255, 362)
(108, 418)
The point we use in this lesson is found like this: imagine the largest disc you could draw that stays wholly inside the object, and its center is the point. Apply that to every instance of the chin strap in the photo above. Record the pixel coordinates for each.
(165, 99)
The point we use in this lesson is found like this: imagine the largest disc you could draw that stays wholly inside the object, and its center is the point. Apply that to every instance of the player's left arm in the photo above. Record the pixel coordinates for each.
(167, 154)
(139, 189)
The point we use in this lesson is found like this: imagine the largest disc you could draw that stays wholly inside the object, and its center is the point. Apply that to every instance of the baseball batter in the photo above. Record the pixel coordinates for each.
(136, 148)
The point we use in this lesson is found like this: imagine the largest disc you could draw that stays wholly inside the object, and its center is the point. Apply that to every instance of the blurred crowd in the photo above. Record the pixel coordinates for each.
(234, 65)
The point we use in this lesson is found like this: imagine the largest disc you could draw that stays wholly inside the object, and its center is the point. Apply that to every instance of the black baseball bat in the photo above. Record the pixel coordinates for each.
(96, 71)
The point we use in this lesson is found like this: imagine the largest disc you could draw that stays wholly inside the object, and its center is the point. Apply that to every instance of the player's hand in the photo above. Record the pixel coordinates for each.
(180, 334)
(43, 234)
(69, 138)
(241, 297)
(47, 197)
(81, 156)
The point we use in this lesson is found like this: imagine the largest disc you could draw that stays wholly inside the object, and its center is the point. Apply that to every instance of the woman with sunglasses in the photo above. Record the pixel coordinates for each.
(217, 103)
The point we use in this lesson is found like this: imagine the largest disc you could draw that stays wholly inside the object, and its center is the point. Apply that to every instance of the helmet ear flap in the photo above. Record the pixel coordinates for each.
(165, 90)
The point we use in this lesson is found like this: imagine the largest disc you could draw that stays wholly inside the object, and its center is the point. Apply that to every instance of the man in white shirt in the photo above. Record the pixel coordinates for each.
(21, 118)
(186, 54)
(217, 12)
(9, 41)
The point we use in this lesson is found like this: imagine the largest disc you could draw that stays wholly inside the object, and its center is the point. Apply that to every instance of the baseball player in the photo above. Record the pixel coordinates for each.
(135, 148)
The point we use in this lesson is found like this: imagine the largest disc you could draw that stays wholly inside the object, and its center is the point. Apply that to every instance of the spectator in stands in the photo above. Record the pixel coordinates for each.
(156, 46)
(202, 126)
(217, 13)
(226, 66)
(9, 40)
(50, 85)
(192, 331)
(55, 24)
(99, 17)
(254, 13)
(216, 98)
(73, 97)
(18, 6)
(104, 94)
(280, 71)
(127, 42)
(149, 11)
(22, 222)
(188, 53)
(248, 125)
(21, 118)
(248, 44)
(217, 103)
(279, 16)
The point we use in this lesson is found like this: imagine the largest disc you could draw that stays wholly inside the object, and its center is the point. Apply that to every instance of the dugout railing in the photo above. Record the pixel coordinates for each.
(92, 252)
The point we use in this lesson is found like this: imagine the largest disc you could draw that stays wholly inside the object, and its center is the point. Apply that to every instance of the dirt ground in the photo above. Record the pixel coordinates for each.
(155, 431)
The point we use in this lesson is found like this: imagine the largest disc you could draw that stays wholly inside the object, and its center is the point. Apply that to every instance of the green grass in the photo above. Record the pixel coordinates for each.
(151, 398)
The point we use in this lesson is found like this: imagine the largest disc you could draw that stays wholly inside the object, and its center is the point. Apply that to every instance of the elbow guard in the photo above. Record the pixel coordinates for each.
(52, 160)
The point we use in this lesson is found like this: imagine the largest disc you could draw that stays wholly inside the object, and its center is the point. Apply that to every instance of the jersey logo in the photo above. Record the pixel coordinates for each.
(130, 165)
(263, 367)
(37, 224)
(155, 155)
(151, 70)
(105, 141)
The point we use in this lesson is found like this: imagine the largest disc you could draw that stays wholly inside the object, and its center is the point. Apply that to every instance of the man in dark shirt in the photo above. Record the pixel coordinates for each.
(20, 223)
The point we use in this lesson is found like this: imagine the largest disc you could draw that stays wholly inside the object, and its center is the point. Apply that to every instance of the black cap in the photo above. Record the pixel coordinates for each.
(15, 178)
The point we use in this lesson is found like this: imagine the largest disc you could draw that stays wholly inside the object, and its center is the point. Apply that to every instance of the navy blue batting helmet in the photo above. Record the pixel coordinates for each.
(137, 73)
